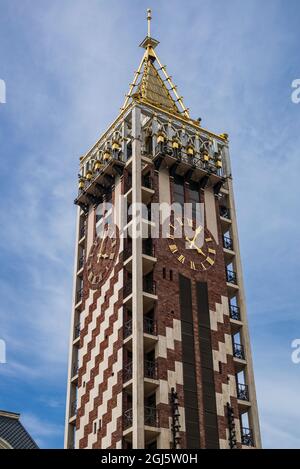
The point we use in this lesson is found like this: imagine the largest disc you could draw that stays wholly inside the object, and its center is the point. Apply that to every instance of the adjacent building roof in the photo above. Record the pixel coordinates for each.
(12, 433)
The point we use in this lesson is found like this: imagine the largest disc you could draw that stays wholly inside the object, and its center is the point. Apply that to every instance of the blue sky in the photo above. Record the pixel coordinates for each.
(67, 65)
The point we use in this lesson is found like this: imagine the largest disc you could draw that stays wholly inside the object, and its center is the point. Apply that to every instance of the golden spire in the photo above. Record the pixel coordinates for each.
(149, 18)
(149, 83)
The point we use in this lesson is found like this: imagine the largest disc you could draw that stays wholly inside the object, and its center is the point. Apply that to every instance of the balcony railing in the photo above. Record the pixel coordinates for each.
(80, 262)
(127, 251)
(231, 276)
(127, 372)
(235, 312)
(247, 437)
(238, 351)
(148, 247)
(77, 331)
(242, 392)
(73, 408)
(149, 326)
(150, 369)
(127, 288)
(147, 182)
(79, 295)
(82, 232)
(128, 183)
(227, 243)
(150, 416)
(197, 161)
(127, 328)
(127, 418)
(149, 286)
(224, 212)
(115, 155)
(75, 369)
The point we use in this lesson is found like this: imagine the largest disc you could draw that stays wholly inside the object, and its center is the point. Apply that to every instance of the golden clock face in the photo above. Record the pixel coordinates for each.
(102, 257)
(198, 252)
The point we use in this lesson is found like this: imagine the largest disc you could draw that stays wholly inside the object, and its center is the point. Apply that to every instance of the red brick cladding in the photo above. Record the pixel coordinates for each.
(168, 308)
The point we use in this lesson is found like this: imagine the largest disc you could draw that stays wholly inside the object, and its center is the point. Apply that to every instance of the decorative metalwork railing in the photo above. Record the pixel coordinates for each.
(242, 392)
(235, 312)
(150, 369)
(128, 418)
(128, 328)
(128, 287)
(238, 351)
(149, 286)
(148, 247)
(128, 183)
(75, 369)
(231, 276)
(74, 408)
(79, 295)
(199, 161)
(147, 182)
(82, 232)
(127, 251)
(86, 182)
(224, 212)
(247, 437)
(127, 372)
(150, 416)
(77, 330)
(80, 262)
(227, 243)
(149, 326)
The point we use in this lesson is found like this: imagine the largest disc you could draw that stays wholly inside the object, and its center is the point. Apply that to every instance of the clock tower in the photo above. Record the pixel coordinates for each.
(159, 353)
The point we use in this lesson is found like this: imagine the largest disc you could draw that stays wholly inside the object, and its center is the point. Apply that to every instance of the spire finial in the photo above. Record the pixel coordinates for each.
(149, 17)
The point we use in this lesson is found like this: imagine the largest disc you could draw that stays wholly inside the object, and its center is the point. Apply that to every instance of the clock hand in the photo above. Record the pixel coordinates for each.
(198, 230)
(100, 250)
(192, 243)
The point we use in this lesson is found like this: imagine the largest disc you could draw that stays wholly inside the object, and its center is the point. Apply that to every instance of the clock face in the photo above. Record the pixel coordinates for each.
(102, 257)
(197, 252)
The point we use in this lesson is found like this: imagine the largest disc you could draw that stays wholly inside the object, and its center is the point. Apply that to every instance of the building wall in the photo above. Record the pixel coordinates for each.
(168, 315)
(99, 416)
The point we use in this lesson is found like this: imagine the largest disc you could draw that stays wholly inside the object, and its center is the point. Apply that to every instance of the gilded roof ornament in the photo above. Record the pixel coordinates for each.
(151, 83)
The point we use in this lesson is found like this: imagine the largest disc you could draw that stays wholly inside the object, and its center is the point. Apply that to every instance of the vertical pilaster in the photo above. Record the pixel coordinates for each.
(68, 438)
(137, 287)
(253, 412)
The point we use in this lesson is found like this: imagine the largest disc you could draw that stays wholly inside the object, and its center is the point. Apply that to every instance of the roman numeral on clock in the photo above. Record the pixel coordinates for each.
(210, 261)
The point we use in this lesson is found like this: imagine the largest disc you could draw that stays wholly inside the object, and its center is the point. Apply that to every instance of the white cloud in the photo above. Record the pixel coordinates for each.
(40, 429)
